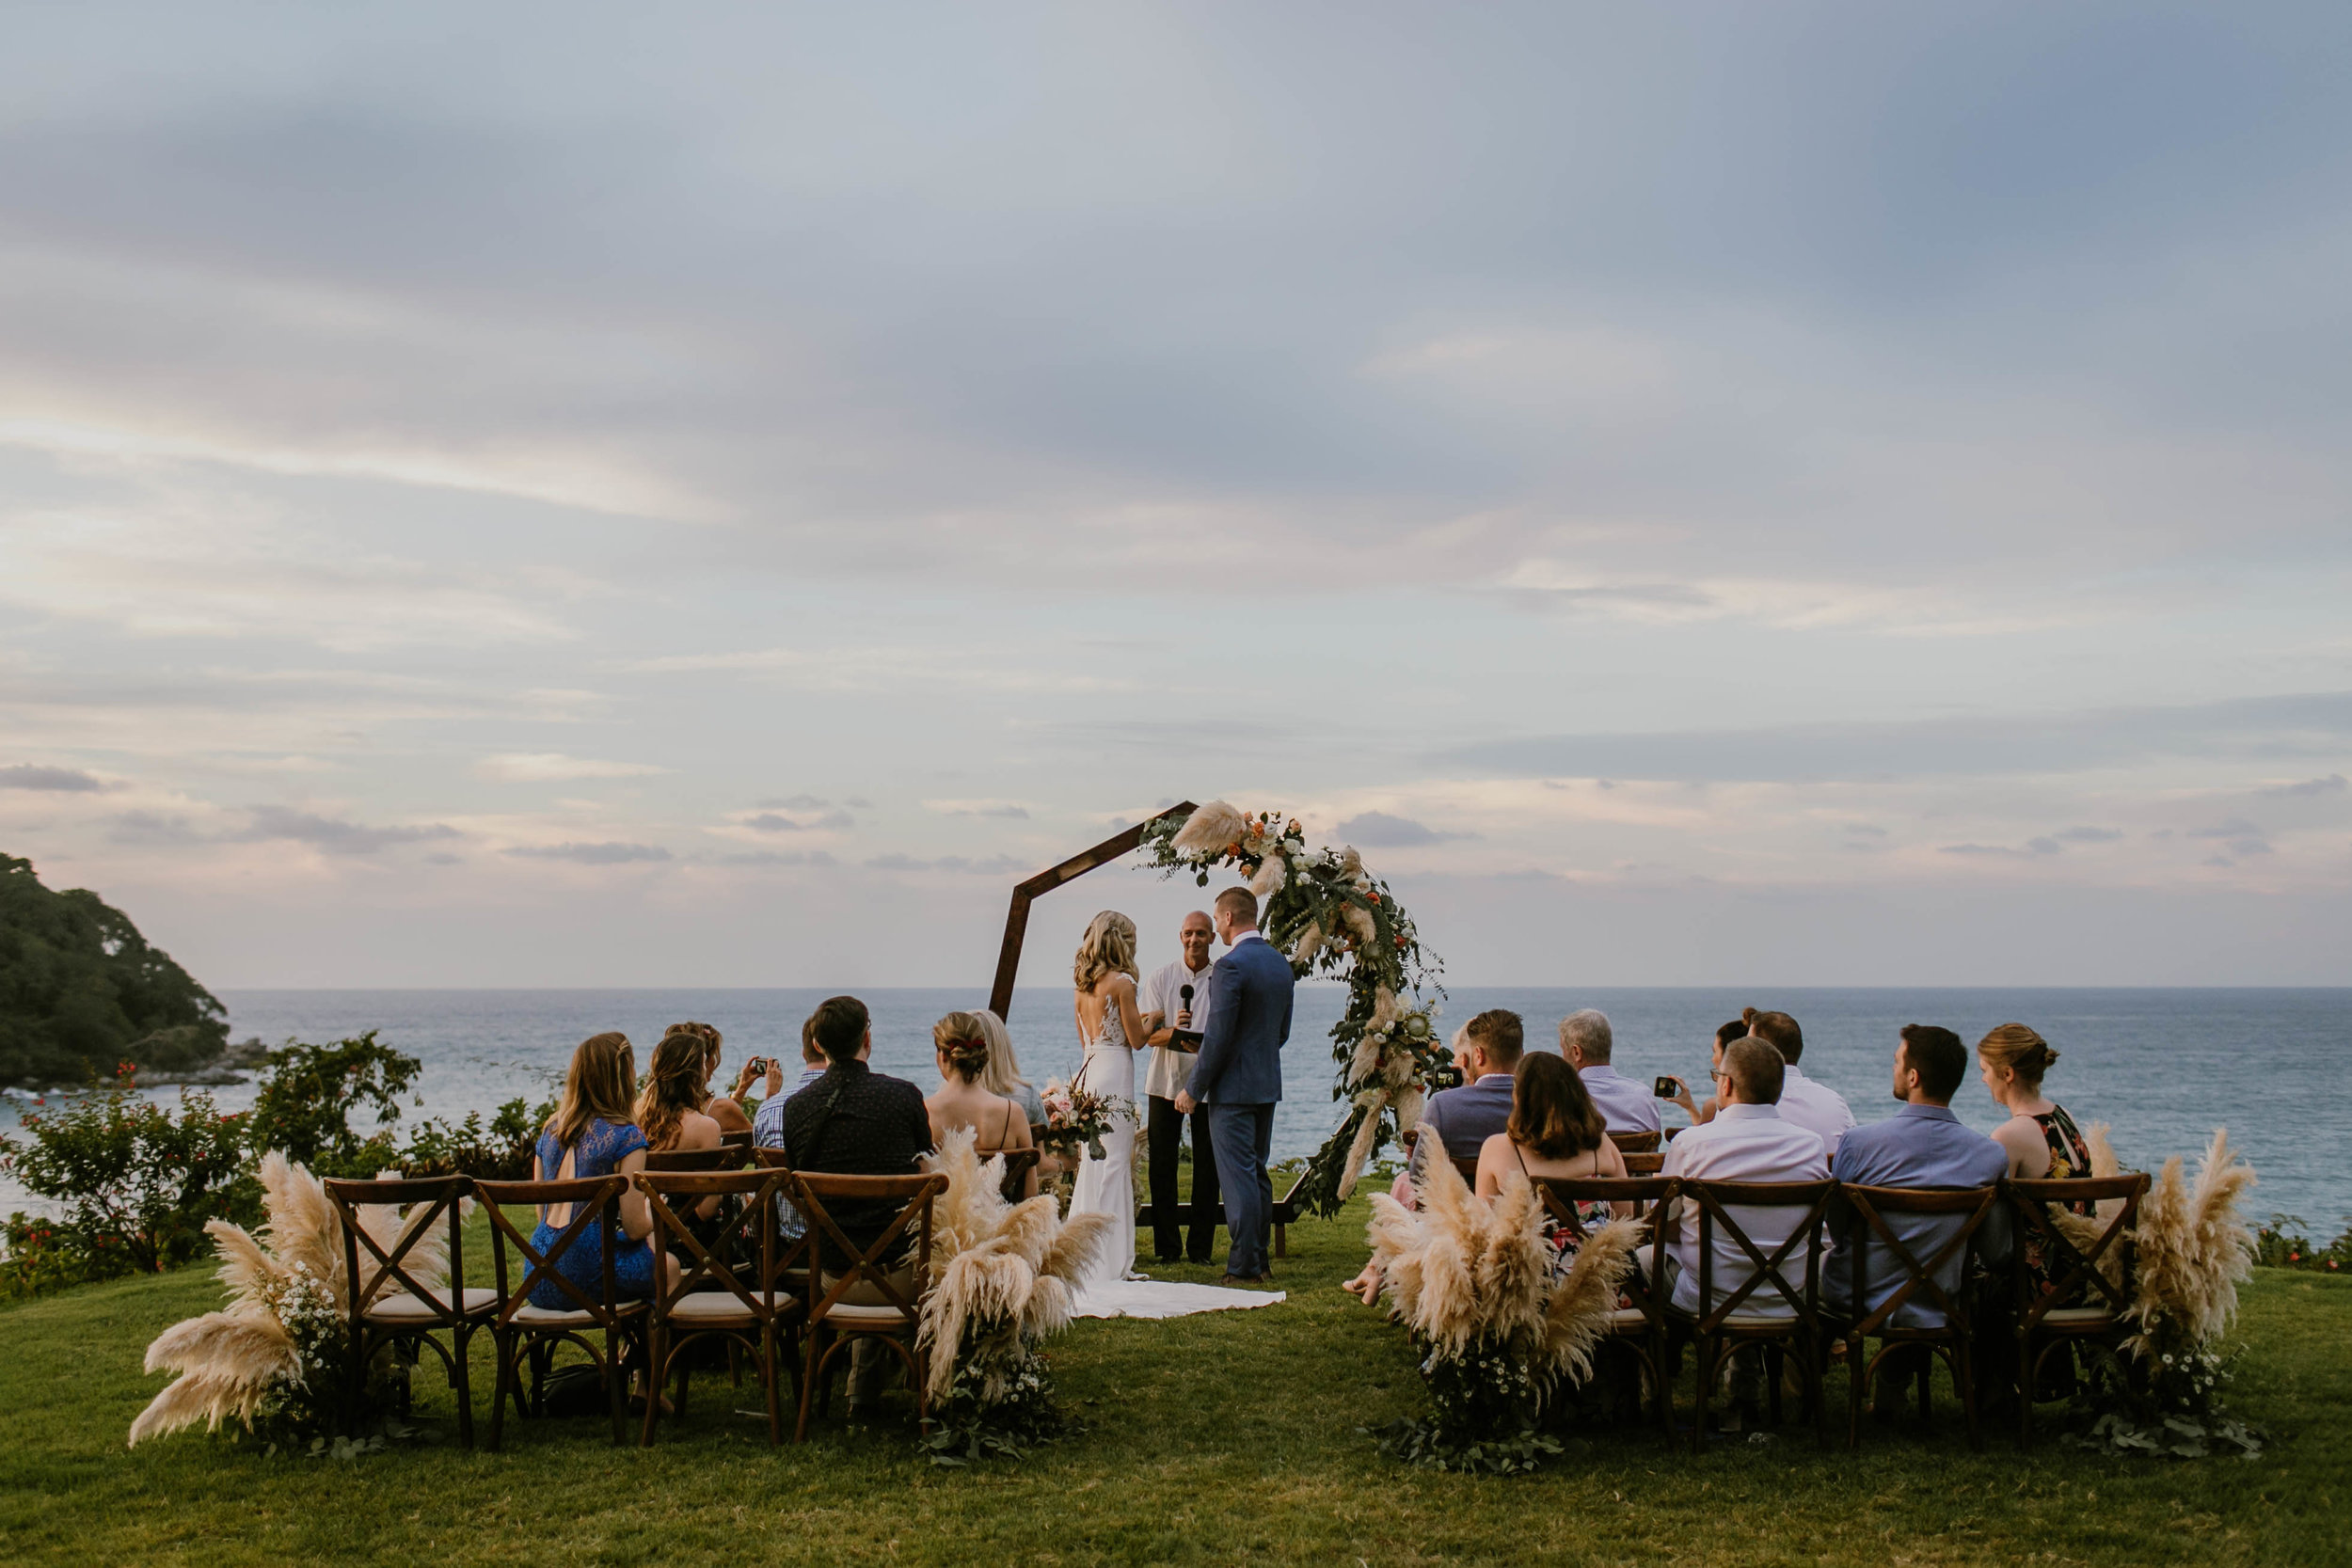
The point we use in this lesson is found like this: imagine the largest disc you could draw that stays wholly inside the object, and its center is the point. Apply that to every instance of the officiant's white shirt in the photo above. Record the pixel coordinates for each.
(1170, 1071)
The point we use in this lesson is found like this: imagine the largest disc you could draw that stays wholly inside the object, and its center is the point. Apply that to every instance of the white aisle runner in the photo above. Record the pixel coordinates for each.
(1151, 1298)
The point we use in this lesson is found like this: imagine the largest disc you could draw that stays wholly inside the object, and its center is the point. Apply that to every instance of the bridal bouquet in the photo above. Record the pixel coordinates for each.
(1076, 1117)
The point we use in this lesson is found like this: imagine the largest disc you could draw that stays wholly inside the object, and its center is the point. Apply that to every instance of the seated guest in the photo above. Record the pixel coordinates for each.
(2040, 1139)
(1922, 1144)
(1004, 1072)
(1816, 1107)
(591, 1134)
(666, 1113)
(1458, 1121)
(727, 1110)
(1625, 1105)
(1556, 1129)
(768, 1125)
(962, 1101)
(1704, 1111)
(1747, 1141)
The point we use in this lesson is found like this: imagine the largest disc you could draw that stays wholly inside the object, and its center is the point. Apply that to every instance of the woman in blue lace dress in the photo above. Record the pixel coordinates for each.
(592, 1135)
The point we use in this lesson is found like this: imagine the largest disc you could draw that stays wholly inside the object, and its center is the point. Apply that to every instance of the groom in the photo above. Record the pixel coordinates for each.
(1238, 1075)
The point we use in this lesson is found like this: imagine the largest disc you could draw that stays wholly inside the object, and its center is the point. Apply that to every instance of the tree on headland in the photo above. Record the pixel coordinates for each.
(81, 990)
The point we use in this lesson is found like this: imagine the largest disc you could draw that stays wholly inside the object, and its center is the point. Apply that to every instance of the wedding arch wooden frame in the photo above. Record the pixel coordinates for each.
(1024, 894)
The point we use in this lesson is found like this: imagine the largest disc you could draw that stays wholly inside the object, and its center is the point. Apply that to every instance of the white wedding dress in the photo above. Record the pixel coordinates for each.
(1107, 1187)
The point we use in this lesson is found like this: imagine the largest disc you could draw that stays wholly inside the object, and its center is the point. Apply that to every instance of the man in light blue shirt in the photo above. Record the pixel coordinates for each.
(1626, 1106)
(1922, 1144)
(768, 1121)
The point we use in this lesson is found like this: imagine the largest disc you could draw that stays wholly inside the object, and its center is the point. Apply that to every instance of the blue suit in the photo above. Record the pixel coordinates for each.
(1238, 1075)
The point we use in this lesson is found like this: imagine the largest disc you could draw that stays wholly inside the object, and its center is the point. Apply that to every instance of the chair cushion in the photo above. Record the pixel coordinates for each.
(1627, 1318)
(544, 1316)
(404, 1307)
(1762, 1322)
(711, 1307)
(2078, 1317)
(847, 1315)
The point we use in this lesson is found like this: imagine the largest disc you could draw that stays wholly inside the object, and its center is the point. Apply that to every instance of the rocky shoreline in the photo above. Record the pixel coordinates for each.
(230, 1067)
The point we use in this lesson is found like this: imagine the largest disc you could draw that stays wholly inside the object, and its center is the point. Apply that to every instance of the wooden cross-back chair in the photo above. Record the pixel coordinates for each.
(725, 1157)
(1784, 1316)
(387, 1304)
(1642, 1325)
(1921, 1287)
(521, 1327)
(839, 1269)
(1635, 1142)
(1638, 1164)
(2083, 1306)
(1019, 1163)
(729, 1289)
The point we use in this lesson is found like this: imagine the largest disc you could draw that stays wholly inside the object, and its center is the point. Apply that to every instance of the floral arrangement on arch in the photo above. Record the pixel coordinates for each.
(278, 1358)
(1004, 1277)
(1325, 913)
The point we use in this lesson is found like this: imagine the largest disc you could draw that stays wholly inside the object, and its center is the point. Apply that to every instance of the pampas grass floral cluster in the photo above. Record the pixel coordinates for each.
(1004, 1278)
(1326, 914)
(1502, 1330)
(277, 1360)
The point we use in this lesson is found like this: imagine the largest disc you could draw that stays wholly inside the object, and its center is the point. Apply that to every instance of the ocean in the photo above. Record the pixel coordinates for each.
(2163, 1068)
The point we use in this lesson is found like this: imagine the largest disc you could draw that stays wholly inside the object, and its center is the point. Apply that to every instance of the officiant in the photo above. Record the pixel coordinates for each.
(1175, 1005)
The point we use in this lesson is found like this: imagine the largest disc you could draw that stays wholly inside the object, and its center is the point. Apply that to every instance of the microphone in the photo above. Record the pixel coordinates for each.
(1183, 994)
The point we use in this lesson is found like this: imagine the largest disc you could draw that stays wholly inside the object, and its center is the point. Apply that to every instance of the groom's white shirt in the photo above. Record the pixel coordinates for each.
(1170, 1071)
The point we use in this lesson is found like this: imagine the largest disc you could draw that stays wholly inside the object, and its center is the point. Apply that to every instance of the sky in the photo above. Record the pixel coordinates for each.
(609, 495)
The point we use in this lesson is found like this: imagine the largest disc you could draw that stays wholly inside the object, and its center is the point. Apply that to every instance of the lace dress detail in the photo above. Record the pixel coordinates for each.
(599, 1152)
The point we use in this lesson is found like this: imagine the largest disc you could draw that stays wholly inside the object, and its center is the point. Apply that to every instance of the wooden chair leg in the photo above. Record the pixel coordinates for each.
(1706, 1379)
(768, 1378)
(1775, 1367)
(615, 1391)
(1857, 1357)
(1926, 1375)
(1964, 1378)
(2025, 1392)
(498, 1343)
(460, 1338)
(808, 1381)
(656, 1348)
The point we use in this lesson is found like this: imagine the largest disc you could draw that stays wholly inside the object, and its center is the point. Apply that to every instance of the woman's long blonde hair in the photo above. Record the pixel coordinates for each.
(601, 1083)
(1107, 948)
(709, 1038)
(674, 1085)
(1003, 1075)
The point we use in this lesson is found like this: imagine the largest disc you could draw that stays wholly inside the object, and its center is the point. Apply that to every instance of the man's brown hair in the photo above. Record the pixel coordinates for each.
(1758, 1068)
(1239, 905)
(1778, 1028)
(1499, 1033)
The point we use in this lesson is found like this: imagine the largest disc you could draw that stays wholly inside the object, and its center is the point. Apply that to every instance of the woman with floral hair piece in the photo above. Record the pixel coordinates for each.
(963, 1099)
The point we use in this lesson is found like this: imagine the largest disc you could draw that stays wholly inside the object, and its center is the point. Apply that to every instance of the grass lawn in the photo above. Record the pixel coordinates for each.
(1215, 1438)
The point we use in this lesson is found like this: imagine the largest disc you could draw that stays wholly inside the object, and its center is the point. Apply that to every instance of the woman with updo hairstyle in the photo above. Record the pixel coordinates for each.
(2042, 1139)
(727, 1110)
(959, 1041)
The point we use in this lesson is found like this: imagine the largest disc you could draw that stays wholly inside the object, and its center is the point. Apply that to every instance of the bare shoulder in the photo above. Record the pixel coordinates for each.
(696, 1130)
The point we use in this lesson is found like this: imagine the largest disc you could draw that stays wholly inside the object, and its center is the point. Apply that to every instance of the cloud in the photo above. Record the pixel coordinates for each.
(548, 767)
(2089, 835)
(780, 857)
(151, 828)
(998, 866)
(2025, 743)
(2043, 845)
(2333, 785)
(797, 803)
(593, 854)
(2243, 838)
(25, 775)
(770, 822)
(1378, 830)
(334, 835)
(1978, 849)
(1008, 809)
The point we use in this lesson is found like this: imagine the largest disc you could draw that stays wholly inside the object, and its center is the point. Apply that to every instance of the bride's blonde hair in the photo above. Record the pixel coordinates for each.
(1107, 948)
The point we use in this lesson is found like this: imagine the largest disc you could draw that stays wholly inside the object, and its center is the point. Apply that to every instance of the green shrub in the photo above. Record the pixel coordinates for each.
(306, 1101)
(2284, 1243)
(137, 1180)
(500, 1152)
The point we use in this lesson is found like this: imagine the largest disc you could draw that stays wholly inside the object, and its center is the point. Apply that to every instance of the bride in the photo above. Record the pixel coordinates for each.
(1112, 1032)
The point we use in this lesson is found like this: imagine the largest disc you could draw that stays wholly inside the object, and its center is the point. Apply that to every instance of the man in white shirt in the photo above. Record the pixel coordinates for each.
(1177, 997)
(1816, 1107)
(1748, 1140)
(1626, 1106)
